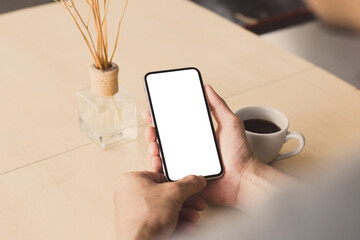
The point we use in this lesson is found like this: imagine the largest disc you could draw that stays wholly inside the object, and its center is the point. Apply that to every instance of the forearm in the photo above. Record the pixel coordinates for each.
(258, 183)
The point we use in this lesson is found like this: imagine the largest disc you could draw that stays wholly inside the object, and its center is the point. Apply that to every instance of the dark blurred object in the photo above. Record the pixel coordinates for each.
(11, 5)
(260, 16)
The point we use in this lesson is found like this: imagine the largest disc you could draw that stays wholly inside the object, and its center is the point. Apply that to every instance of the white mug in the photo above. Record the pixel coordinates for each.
(266, 146)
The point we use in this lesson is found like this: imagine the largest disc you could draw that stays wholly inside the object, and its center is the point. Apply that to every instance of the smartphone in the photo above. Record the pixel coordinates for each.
(184, 129)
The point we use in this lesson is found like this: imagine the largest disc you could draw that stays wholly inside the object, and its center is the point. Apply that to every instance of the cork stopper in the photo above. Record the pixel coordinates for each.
(104, 82)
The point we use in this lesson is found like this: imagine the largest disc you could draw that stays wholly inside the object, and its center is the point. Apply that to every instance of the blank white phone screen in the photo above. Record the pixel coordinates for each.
(183, 124)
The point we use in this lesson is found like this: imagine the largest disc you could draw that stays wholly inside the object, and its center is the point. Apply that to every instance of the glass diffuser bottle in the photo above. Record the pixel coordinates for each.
(107, 115)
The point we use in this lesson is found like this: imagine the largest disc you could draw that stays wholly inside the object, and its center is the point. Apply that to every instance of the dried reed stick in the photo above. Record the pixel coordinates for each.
(118, 31)
(100, 50)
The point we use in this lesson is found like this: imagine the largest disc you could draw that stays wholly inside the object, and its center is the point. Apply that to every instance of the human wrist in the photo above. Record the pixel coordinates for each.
(257, 183)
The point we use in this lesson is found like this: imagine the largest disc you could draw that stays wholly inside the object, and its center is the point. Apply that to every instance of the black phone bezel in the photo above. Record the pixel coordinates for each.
(156, 128)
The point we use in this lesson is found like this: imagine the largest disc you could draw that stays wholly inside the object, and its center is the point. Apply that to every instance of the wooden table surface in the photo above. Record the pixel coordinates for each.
(56, 184)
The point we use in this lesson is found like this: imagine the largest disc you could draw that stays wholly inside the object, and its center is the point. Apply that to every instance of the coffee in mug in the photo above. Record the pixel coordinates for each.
(260, 126)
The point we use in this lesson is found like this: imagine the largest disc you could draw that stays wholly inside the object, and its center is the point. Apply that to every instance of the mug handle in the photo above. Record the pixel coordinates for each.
(292, 135)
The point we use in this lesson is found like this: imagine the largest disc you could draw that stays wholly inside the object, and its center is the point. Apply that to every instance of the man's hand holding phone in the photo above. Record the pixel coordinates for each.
(240, 164)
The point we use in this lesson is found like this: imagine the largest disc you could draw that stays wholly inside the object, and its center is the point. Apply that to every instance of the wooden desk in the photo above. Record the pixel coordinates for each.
(56, 184)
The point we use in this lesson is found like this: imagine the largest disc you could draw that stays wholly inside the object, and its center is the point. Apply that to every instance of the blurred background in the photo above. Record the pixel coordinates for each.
(287, 24)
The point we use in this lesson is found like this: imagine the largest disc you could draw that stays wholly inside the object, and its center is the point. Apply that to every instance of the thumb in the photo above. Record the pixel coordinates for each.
(189, 186)
(218, 107)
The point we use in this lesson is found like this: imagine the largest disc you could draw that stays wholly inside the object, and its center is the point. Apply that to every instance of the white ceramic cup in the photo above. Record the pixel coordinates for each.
(266, 146)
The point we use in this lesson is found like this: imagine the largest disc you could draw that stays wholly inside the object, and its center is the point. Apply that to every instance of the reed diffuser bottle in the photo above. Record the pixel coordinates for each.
(107, 113)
